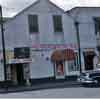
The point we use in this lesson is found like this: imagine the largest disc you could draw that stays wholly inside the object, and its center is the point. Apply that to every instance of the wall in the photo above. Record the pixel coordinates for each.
(86, 25)
(17, 35)
(41, 67)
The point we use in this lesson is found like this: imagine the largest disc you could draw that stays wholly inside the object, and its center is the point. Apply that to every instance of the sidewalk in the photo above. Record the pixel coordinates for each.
(65, 84)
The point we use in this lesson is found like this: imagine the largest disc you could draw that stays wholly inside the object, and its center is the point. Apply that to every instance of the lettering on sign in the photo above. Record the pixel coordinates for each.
(54, 46)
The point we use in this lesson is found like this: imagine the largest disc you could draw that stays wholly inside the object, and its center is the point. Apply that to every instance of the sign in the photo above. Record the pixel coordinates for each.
(16, 61)
(53, 46)
(9, 55)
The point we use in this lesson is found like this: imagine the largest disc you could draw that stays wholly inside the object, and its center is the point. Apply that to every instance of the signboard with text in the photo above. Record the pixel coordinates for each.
(54, 46)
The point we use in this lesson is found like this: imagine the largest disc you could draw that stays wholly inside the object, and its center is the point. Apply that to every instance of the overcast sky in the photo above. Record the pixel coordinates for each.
(11, 7)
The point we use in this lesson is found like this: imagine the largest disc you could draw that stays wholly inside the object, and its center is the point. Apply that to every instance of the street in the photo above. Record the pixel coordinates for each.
(78, 92)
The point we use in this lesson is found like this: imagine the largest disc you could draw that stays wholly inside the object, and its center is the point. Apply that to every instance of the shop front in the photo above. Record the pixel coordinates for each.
(62, 62)
(18, 71)
(89, 55)
(58, 61)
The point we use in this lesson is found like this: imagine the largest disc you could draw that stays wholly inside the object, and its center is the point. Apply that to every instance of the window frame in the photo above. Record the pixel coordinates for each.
(33, 28)
(57, 25)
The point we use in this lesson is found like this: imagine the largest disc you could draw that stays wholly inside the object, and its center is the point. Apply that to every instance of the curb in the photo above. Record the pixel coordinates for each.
(40, 87)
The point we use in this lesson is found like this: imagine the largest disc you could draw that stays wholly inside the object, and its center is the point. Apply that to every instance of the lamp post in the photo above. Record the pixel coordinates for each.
(3, 44)
(78, 42)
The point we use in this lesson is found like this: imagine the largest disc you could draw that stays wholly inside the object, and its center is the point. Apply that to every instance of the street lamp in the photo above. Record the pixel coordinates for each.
(3, 44)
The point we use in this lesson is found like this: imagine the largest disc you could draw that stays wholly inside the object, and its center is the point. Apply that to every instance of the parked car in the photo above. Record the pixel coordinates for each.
(98, 67)
(91, 78)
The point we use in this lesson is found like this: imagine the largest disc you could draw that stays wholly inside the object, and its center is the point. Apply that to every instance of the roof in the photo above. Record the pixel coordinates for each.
(33, 5)
(81, 7)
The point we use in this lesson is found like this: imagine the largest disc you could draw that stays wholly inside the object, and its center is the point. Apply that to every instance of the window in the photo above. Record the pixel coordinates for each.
(73, 65)
(97, 25)
(57, 22)
(22, 52)
(33, 23)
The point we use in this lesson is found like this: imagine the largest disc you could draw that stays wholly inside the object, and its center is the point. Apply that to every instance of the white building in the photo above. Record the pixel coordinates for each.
(41, 42)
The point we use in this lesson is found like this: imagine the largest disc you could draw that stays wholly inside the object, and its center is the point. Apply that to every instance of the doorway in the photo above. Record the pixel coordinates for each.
(88, 58)
(59, 70)
(20, 74)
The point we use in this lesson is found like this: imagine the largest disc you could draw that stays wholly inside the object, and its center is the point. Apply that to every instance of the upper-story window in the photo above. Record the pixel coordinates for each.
(97, 25)
(57, 23)
(33, 23)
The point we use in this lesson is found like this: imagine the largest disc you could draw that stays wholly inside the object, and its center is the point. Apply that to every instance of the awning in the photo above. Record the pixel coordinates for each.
(69, 54)
(59, 55)
(89, 52)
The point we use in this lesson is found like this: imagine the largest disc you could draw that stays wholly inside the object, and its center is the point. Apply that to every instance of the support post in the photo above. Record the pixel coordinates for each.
(78, 42)
(3, 44)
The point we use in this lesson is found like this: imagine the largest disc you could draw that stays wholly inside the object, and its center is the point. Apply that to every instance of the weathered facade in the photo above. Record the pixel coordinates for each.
(41, 42)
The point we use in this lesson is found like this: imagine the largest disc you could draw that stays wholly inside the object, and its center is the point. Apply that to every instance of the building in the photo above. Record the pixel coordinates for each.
(87, 17)
(41, 42)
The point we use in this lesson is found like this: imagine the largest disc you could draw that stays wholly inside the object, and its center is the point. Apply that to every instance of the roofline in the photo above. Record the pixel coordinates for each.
(23, 10)
(34, 3)
(79, 7)
(57, 6)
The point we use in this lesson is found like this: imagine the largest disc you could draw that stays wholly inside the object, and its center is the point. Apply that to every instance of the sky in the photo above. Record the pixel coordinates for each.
(12, 7)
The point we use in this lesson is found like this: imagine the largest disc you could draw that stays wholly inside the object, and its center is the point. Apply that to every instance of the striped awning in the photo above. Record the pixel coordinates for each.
(69, 54)
(59, 55)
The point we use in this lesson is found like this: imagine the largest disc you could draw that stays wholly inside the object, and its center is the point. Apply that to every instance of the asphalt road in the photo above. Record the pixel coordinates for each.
(78, 92)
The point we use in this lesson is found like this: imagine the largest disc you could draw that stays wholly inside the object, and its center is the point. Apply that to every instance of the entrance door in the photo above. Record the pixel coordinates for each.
(88, 58)
(20, 75)
(59, 70)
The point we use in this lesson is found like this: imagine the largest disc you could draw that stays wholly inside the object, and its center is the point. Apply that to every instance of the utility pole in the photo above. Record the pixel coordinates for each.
(3, 44)
(78, 42)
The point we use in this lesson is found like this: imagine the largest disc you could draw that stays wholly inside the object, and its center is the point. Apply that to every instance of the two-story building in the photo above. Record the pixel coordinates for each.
(41, 42)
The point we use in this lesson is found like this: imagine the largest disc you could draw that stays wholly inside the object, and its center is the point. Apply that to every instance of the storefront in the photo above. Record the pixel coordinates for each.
(18, 70)
(89, 55)
(64, 63)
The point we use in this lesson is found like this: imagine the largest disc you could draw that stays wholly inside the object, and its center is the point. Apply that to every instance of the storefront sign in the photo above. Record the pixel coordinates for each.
(9, 55)
(15, 61)
(52, 46)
